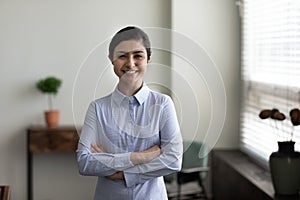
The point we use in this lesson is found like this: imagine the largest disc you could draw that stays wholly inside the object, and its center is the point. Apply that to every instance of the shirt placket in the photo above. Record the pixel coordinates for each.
(131, 109)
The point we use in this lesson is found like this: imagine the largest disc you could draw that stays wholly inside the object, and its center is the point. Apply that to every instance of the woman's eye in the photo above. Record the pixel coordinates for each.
(138, 56)
(122, 56)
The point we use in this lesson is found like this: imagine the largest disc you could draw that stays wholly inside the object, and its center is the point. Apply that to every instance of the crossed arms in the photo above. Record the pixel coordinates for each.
(135, 157)
(133, 167)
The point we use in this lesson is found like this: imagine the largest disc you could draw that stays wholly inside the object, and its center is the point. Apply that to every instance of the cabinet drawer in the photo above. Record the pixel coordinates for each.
(53, 141)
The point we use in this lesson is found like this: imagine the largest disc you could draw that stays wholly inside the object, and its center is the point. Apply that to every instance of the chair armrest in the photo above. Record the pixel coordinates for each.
(195, 169)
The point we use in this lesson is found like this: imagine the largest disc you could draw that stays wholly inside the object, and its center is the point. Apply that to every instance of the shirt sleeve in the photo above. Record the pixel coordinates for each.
(97, 164)
(171, 146)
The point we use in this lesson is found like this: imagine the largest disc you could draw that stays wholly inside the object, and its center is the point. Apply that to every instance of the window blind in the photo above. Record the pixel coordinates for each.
(270, 73)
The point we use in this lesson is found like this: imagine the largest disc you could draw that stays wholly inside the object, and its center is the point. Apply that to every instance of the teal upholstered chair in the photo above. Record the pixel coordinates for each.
(194, 168)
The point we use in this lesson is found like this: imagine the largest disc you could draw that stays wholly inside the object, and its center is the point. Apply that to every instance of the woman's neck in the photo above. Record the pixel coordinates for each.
(130, 89)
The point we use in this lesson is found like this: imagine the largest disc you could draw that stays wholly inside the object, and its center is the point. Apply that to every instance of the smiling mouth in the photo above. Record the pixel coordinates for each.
(130, 71)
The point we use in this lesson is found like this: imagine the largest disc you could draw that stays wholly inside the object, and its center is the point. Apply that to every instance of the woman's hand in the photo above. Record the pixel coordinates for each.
(97, 149)
(135, 157)
(145, 156)
(117, 175)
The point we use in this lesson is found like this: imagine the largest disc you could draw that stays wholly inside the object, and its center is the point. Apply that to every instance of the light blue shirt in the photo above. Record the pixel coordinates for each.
(122, 125)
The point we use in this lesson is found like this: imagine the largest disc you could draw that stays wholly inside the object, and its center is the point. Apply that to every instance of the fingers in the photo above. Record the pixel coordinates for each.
(152, 153)
(117, 175)
(155, 148)
(145, 156)
(97, 149)
(151, 149)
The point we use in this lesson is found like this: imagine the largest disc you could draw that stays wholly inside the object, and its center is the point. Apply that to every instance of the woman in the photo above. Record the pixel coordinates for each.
(131, 138)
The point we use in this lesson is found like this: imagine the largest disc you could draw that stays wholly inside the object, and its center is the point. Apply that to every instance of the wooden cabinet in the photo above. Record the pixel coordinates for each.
(63, 139)
(236, 176)
(43, 140)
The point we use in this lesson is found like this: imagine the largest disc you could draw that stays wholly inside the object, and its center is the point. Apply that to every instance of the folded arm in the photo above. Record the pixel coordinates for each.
(93, 160)
(171, 151)
(135, 157)
(135, 167)
(97, 164)
(169, 160)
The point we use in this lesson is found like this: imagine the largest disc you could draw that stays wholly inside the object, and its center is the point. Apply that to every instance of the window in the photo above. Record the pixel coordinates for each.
(270, 73)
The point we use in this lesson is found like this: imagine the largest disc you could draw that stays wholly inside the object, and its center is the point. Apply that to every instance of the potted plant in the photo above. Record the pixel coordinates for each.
(285, 163)
(50, 86)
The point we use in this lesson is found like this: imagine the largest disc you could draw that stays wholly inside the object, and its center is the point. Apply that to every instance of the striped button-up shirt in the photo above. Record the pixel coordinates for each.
(121, 125)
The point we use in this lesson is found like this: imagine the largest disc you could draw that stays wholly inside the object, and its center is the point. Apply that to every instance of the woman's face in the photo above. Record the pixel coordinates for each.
(130, 61)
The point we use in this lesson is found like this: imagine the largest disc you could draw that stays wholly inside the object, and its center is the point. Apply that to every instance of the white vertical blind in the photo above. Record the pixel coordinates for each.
(270, 73)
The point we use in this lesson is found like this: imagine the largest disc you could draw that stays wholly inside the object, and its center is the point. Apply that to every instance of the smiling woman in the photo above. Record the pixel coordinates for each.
(130, 64)
(131, 138)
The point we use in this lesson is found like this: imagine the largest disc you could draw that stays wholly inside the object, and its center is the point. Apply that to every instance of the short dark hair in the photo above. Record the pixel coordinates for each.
(129, 33)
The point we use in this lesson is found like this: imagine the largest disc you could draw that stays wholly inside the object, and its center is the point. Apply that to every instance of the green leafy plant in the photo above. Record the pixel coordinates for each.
(49, 86)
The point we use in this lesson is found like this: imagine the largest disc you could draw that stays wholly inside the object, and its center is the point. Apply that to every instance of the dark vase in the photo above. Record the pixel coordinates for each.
(285, 169)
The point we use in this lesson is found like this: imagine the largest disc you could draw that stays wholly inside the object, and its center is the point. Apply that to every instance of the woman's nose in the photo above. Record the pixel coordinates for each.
(130, 62)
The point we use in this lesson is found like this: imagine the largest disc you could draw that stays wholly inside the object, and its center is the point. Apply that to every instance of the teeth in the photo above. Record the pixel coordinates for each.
(130, 71)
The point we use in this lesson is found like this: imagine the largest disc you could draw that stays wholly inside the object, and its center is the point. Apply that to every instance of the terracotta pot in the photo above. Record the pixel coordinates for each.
(52, 118)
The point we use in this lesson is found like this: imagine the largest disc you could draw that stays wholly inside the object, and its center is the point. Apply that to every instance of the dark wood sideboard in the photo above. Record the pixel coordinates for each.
(235, 176)
(41, 139)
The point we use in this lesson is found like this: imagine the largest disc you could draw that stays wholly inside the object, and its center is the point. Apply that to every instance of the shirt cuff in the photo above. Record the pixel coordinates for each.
(123, 161)
(131, 179)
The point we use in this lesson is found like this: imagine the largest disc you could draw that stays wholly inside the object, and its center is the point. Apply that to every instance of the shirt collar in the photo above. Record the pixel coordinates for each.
(140, 96)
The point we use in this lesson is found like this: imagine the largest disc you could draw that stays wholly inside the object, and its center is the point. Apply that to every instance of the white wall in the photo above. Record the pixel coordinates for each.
(214, 26)
(51, 37)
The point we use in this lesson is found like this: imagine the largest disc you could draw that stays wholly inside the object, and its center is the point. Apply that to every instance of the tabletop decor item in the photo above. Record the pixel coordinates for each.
(284, 163)
(50, 86)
